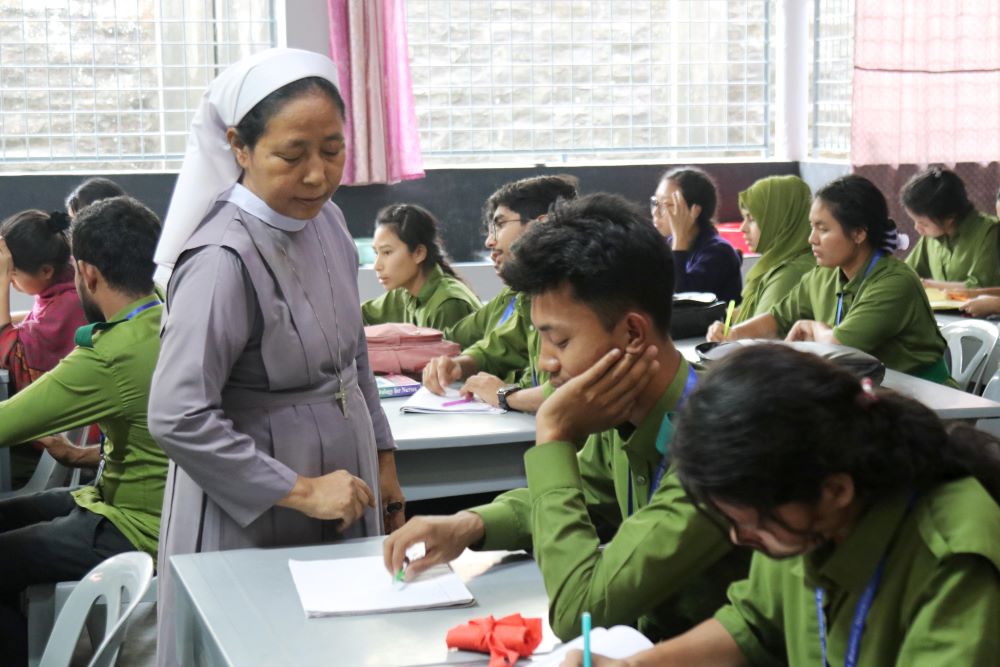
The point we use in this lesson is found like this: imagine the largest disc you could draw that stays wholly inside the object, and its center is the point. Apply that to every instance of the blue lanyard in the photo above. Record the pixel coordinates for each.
(840, 295)
(857, 623)
(860, 610)
(663, 438)
(508, 311)
(145, 306)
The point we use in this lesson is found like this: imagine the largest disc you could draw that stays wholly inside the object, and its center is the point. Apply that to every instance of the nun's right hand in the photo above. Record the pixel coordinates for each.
(337, 495)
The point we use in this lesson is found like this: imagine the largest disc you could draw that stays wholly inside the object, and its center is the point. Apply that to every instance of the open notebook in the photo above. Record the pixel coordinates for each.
(452, 401)
(351, 586)
(617, 642)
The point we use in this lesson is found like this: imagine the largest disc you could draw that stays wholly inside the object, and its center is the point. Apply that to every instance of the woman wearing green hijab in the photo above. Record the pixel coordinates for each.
(776, 225)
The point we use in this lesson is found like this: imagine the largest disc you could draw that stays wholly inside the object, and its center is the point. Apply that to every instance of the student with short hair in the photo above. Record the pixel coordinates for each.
(859, 295)
(422, 288)
(59, 535)
(90, 191)
(776, 225)
(874, 526)
(683, 209)
(499, 361)
(958, 246)
(601, 285)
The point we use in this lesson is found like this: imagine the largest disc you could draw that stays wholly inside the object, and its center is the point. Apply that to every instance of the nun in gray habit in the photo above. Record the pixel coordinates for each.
(263, 397)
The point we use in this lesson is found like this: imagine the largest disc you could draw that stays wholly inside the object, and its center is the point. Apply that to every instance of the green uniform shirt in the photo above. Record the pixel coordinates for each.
(511, 348)
(667, 563)
(442, 301)
(475, 326)
(886, 314)
(938, 603)
(108, 384)
(971, 256)
(775, 286)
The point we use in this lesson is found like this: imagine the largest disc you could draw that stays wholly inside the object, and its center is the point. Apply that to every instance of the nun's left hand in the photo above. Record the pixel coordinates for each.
(393, 502)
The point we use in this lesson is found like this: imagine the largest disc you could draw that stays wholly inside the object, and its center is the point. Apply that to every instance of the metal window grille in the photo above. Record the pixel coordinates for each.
(832, 73)
(113, 84)
(560, 80)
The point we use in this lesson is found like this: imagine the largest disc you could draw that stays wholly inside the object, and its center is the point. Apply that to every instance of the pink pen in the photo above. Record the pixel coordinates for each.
(467, 399)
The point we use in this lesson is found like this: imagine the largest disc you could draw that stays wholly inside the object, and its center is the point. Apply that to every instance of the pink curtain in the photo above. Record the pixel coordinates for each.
(926, 82)
(368, 43)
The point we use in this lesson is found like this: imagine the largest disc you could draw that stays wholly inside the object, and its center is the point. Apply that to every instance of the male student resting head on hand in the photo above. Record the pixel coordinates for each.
(601, 282)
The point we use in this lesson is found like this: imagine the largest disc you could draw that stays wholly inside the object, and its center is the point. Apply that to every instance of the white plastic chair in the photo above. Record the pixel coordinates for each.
(49, 473)
(121, 581)
(991, 392)
(967, 366)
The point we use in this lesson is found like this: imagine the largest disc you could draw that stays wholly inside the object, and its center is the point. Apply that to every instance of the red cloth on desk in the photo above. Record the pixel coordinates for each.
(505, 639)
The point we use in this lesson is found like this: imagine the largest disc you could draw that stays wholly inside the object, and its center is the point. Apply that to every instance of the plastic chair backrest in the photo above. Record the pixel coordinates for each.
(49, 473)
(967, 369)
(124, 577)
(992, 390)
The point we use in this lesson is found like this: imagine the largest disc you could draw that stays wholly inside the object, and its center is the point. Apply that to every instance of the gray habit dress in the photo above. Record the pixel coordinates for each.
(263, 328)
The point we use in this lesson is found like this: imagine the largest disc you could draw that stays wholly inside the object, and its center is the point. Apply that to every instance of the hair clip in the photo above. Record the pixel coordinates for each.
(867, 396)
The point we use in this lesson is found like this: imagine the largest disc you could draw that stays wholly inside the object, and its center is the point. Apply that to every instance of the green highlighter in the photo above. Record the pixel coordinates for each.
(729, 317)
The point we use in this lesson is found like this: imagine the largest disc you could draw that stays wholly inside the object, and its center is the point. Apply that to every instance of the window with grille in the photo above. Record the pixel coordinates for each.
(113, 84)
(574, 80)
(830, 92)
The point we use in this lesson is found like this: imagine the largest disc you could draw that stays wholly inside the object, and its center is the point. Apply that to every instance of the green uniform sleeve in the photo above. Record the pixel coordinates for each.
(449, 313)
(795, 306)
(881, 312)
(985, 269)
(79, 391)
(918, 259)
(959, 624)
(506, 521)
(470, 328)
(668, 540)
(754, 615)
(386, 308)
(782, 283)
(504, 349)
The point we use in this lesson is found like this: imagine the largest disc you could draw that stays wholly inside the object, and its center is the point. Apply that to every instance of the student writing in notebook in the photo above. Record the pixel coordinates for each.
(601, 284)
(422, 288)
(958, 246)
(499, 362)
(874, 526)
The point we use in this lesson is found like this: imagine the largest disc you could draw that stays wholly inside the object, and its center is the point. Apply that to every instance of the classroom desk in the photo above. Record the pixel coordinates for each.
(946, 402)
(240, 608)
(439, 456)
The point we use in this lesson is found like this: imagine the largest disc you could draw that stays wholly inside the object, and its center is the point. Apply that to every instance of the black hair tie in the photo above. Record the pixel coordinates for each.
(59, 221)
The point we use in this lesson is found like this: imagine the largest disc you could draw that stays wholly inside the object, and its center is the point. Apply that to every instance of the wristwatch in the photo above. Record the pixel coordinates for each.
(505, 391)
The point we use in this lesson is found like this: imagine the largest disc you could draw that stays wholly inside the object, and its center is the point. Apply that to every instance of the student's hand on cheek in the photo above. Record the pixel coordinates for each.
(683, 220)
(600, 398)
(484, 387)
(6, 262)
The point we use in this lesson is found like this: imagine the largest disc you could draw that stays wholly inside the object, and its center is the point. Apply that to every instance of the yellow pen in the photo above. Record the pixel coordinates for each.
(729, 317)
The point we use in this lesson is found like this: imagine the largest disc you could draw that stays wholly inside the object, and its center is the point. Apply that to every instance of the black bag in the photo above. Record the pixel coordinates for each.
(860, 364)
(693, 313)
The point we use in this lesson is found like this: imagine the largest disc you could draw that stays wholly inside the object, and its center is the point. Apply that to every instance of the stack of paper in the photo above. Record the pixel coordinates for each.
(452, 401)
(349, 586)
(618, 642)
(942, 300)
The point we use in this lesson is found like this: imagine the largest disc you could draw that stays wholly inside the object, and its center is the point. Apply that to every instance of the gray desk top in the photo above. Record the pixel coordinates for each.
(948, 403)
(420, 431)
(244, 611)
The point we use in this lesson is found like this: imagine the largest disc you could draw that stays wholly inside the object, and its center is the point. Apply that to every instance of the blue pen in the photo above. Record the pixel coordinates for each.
(585, 622)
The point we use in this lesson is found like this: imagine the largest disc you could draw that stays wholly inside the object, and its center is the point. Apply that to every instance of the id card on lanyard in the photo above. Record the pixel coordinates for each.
(663, 438)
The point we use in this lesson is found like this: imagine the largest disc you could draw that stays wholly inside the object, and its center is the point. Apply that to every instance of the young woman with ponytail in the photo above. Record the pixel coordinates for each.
(859, 294)
(422, 288)
(875, 524)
